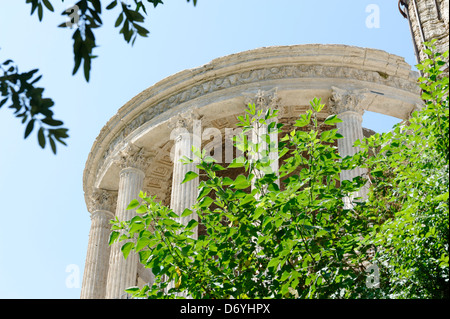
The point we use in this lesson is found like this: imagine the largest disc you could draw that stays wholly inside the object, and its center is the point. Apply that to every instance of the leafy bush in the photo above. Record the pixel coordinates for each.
(409, 193)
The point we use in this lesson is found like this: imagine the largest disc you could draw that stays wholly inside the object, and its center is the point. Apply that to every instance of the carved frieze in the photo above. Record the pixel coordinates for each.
(253, 76)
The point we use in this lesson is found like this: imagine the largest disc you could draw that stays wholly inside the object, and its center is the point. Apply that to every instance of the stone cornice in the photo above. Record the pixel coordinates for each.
(244, 78)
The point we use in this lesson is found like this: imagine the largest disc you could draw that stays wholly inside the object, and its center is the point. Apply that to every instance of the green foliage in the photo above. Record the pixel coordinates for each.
(261, 242)
(85, 15)
(409, 193)
(29, 105)
(39, 6)
(298, 240)
(88, 18)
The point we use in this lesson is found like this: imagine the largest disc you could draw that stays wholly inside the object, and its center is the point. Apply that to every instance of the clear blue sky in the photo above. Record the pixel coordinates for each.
(44, 220)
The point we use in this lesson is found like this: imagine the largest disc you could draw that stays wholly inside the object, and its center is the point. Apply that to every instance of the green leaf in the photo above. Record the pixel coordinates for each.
(227, 181)
(217, 167)
(87, 67)
(136, 225)
(126, 249)
(113, 237)
(206, 202)
(316, 105)
(332, 119)
(143, 32)
(203, 192)
(273, 187)
(29, 128)
(142, 243)
(132, 290)
(111, 5)
(304, 120)
(172, 214)
(189, 176)
(40, 12)
(274, 263)
(141, 210)
(285, 275)
(186, 212)
(3, 102)
(52, 144)
(156, 2)
(41, 137)
(241, 182)
(133, 204)
(119, 20)
(247, 199)
(48, 5)
(237, 162)
(191, 225)
(52, 122)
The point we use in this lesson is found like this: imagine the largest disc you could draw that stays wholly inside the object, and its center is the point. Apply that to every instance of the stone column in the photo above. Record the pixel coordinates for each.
(348, 105)
(122, 273)
(102, 206)
(263, 101)
(186, 131)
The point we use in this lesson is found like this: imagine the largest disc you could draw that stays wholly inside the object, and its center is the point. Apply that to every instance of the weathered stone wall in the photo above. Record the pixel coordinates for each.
(429, 20)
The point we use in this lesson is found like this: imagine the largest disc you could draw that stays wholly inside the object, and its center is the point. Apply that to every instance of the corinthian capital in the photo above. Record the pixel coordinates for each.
(185, 120)
(104, 200)
(264, 100)
(352, 100)
(135, 157)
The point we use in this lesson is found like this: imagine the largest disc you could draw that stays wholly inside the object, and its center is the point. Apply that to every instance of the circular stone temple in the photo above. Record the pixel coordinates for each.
(138, 149)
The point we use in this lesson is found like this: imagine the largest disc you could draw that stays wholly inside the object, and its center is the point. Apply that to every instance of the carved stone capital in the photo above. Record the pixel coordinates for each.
(184, 121)
(264, 100)
(186, 126)
(347, 100)
(134, 157)
(103, 200)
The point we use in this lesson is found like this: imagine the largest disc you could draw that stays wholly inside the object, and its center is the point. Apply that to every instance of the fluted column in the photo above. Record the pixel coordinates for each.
(102, 206)
(264, 101)
(348, 105)
(122, 273)
(186, 131)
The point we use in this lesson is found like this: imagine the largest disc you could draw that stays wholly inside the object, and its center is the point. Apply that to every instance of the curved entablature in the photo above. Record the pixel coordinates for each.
(217, 92)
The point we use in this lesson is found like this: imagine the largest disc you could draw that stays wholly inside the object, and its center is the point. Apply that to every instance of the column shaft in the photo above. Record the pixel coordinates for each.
(351, 129)
(349, 107)
(263, 101)
(122, 273)
(96, 267)
(184, 195)
(257, 137)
